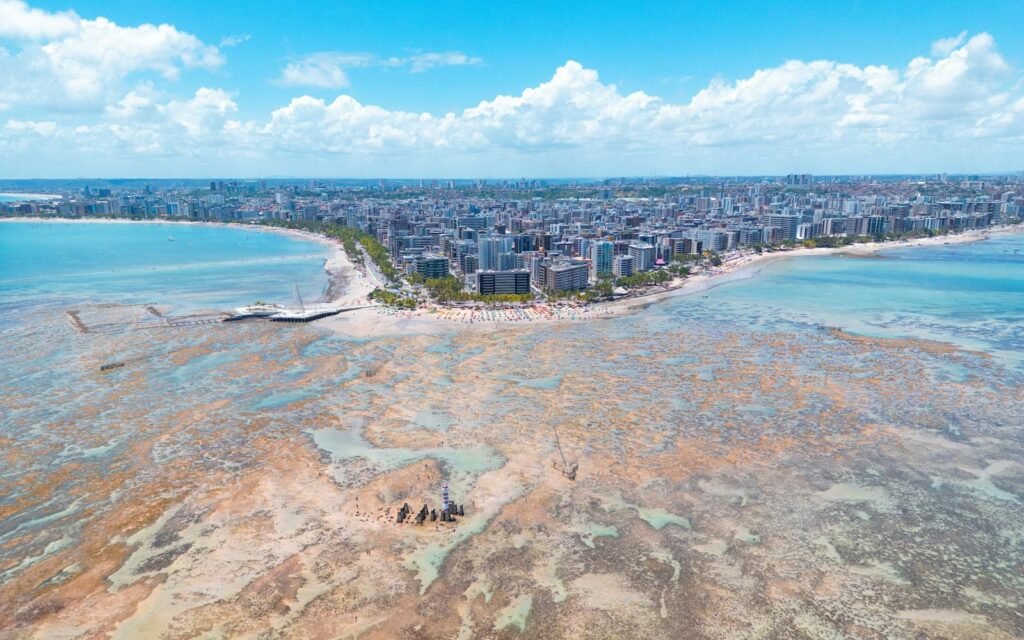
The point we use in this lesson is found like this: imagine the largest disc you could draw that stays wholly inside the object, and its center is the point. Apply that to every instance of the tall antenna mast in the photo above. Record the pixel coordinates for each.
(302, 306)
(568, 470)
(559, 445)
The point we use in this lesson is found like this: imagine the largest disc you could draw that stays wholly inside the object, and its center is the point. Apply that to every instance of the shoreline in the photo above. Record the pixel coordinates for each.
(748, 265)
(438, 319)
(345, 282)
(31, 196)
(349, 283)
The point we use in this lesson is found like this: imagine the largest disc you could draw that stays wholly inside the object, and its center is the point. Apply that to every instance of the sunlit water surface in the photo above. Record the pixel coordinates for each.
(183, 267)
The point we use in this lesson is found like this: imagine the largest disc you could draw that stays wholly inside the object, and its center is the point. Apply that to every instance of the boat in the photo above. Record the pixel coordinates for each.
(170, 238)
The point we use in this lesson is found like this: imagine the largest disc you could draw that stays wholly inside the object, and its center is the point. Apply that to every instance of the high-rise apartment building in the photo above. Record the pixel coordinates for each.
(601, 254)
(643, 256)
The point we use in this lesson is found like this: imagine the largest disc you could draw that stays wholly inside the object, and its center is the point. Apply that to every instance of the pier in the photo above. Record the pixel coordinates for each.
(303, 313)
(285, 314)
(148, 317)
(116, 319)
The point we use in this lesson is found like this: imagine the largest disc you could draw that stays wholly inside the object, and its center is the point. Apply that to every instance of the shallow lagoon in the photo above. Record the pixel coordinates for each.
(969, 294)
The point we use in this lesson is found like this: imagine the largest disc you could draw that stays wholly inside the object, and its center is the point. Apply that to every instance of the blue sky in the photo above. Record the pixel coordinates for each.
(239, 89)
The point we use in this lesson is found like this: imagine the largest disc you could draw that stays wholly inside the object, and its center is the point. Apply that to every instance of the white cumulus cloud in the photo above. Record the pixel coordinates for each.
(936, 112)
(65, 61)
(18, 20)
(945, 46)
(796, 103)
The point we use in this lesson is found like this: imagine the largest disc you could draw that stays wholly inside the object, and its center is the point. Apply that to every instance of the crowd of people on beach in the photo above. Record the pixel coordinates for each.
(532, 313)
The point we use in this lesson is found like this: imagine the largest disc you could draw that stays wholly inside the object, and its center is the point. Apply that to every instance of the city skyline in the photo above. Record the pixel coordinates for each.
(359, 92)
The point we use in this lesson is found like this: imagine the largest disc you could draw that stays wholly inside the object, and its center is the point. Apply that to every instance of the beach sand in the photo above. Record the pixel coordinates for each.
(435, 319)
(351, 284)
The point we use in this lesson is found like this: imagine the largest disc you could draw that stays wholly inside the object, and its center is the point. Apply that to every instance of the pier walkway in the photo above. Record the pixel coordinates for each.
(305, 313)
(149, 317)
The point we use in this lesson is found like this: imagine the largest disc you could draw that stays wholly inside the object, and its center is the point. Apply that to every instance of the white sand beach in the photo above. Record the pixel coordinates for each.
(437, 319)
(350, 284)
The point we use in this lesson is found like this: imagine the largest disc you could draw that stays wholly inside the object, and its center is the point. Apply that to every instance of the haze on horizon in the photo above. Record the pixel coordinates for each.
(672, 89)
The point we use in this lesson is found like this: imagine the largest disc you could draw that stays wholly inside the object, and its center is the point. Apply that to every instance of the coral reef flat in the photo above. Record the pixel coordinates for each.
(744, 472)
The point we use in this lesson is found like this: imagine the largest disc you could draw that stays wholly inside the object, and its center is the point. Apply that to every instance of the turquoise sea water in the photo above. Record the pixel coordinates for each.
(968, 294)
(18, 198)
(971, 295)
(203, 267)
